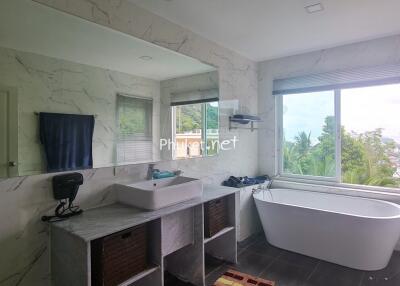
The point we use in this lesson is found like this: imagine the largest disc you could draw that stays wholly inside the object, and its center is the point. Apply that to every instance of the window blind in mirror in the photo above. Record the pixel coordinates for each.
(195, 96)
(134, 118)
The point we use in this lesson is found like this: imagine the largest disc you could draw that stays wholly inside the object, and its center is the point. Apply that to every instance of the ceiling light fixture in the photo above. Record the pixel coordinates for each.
(314, 8)
(146, 58)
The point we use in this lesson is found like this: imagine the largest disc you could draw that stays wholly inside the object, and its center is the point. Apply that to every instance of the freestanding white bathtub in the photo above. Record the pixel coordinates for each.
(350, 231)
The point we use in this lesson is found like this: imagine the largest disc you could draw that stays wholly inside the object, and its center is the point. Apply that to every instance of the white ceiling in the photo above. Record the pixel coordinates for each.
(266, 29)
(31, 27)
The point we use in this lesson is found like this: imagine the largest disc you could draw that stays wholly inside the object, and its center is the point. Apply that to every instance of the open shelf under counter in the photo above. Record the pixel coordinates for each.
(223, 243)
(220, 233)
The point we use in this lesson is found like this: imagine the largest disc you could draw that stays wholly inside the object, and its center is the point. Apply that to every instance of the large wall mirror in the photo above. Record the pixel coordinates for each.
(77, 95)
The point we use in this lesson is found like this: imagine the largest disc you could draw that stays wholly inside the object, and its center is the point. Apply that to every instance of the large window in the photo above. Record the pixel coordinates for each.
(366, 151)
(309, 134)
(196, 129)
(134, 117)
(371, 135)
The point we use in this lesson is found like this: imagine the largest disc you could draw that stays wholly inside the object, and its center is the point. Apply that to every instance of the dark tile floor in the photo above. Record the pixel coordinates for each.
(257, 257)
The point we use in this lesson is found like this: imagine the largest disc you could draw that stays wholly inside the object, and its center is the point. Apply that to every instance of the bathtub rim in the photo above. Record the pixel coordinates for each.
(328, 211)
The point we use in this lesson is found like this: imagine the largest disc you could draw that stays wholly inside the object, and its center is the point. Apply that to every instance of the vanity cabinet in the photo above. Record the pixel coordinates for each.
(174, 241)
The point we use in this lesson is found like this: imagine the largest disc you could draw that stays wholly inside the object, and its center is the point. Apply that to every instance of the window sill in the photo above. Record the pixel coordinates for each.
(381, 193)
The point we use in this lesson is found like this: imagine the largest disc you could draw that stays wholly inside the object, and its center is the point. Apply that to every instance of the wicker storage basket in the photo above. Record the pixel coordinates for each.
(215, 216)
(118, 257)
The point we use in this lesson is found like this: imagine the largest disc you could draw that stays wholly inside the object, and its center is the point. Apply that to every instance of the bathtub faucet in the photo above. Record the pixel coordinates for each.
(269, 185)
(261, 187)
(256, 190)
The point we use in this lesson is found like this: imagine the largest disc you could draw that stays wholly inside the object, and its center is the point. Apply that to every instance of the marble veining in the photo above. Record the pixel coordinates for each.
(177, 230)
(54, 85)
(22, 233)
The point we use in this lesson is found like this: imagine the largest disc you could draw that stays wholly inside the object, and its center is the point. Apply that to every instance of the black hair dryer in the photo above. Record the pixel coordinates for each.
(65, 188)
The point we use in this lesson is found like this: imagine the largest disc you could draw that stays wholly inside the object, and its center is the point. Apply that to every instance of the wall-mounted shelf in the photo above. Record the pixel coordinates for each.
(38, 113)
(243, 121)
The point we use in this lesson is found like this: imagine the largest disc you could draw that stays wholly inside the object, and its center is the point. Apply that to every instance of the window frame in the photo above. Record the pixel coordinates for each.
(205, 129)
(204, 152)
(281, 173)
(320, 180)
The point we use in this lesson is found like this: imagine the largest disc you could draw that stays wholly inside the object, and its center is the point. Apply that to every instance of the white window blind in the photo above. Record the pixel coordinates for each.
(350, 78)
(194, 96)
(134, 118)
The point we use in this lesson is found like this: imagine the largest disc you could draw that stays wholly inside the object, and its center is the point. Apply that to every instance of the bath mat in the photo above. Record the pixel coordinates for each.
(235, 278)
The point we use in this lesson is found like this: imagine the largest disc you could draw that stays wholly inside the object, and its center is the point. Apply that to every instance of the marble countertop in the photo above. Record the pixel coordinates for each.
(102, 221)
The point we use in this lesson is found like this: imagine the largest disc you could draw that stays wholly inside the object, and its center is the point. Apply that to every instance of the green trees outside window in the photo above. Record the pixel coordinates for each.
(196, 129)
(367, 158)
(369, 134)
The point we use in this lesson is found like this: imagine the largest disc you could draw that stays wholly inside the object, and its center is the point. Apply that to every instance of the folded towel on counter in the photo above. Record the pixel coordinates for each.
(239, 182)
(232, 182)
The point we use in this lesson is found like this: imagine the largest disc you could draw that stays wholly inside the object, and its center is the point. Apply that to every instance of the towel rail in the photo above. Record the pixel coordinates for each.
(251, 128)
(37, 113)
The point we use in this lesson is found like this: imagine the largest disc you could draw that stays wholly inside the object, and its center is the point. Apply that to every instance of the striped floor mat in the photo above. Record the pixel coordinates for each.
(235, 278)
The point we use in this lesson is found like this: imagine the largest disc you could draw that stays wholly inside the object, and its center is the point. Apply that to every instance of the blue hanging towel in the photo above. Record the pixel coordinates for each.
(67, 141)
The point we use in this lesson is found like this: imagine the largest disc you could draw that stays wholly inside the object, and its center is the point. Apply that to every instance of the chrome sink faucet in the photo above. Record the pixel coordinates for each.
(150, 171)
(178, 173)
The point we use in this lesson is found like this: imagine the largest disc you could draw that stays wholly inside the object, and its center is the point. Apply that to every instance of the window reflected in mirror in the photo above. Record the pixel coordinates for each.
(196, 129)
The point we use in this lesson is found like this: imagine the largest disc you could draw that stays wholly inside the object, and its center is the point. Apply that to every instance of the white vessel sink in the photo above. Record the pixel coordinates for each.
(156, 194)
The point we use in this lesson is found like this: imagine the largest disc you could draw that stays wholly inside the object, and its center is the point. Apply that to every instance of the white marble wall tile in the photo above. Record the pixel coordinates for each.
(237, 75)
(23, 238)
(54, 85)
